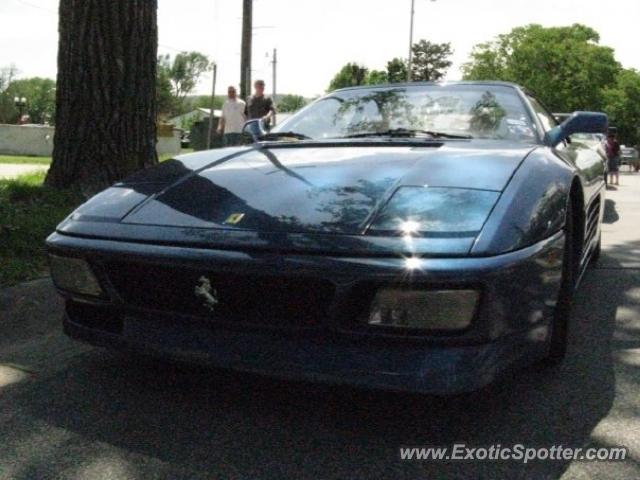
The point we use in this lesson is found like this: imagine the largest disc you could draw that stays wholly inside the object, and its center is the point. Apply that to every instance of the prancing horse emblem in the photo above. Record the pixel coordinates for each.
(206, 293)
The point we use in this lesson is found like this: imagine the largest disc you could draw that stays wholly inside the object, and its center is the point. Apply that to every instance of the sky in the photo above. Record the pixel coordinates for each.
(315, 38)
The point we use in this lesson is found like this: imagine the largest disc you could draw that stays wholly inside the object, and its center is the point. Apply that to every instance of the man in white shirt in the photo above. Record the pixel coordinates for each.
(233, 118)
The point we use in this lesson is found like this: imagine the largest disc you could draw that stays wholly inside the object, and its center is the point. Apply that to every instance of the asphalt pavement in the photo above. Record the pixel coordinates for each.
(72, 411)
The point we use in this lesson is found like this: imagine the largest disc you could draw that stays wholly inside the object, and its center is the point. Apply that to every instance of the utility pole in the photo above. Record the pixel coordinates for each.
(274, 63)
(213, 103)
(410, 62)
(245, 58)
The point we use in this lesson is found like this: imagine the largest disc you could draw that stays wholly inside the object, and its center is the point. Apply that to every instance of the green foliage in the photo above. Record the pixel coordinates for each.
(376, 77)
(622, 104)
(28, 213)
(291, 103)
(39, 92)
(166, 101)
(565, 66)
(397, 70)
(186, 70)
(350, 75)
(177, 78)
(430, 63)
(353, 74)
(13, 159)
(430, 60)
(41, 98)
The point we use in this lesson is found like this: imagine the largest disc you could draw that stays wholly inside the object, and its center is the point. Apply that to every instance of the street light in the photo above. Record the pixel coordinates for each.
(410, 63)
(20, 103)
(274, 72)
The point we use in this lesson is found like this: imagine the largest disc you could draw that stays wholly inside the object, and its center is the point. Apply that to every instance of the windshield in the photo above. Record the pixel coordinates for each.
(478, 111)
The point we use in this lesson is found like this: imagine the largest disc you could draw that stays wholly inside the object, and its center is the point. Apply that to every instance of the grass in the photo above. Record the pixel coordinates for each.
(20, 160)
(164, 158)
(29, 212)
(13, 159)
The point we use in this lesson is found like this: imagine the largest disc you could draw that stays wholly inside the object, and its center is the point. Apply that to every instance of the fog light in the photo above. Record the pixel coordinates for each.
(74, 275)
(447, 310)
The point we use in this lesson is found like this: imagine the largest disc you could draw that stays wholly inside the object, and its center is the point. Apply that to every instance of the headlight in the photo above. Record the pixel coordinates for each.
(445, 310)
(435, 211)
(74, 275)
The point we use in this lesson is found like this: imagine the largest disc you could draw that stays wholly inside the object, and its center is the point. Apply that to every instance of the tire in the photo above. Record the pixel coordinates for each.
(560, 325)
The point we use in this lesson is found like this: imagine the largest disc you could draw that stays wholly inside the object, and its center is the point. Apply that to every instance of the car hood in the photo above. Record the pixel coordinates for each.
(309, 188)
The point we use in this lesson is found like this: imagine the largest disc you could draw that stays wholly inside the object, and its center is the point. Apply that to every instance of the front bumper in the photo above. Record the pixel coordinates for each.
(415, 368)
(519, 291)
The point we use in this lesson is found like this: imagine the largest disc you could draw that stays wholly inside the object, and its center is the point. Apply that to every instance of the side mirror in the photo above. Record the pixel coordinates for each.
(255, 129)
(578, 122)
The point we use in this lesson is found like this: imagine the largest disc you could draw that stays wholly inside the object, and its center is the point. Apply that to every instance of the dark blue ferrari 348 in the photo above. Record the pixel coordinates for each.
(422, 237)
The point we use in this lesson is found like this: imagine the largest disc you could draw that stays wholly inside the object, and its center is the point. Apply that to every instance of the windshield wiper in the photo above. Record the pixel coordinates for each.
(407, 132)
(277, 135)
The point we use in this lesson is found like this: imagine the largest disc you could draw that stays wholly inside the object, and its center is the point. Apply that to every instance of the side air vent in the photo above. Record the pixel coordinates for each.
(593, 215)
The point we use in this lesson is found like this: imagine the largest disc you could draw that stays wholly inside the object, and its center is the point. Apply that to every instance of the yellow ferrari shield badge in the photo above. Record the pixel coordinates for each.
(234, 218)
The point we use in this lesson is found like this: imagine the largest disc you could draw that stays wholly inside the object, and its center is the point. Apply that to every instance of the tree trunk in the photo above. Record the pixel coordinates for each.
(106, 92)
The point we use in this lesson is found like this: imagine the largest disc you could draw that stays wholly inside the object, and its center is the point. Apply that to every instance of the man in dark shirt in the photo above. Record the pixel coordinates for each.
(259, 106)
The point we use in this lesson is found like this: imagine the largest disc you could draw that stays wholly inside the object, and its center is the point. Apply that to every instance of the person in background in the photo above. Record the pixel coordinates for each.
(260, 106)
(233, 118)
(613, 158)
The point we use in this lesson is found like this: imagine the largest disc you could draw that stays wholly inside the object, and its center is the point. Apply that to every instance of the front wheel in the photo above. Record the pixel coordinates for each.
(560, 325)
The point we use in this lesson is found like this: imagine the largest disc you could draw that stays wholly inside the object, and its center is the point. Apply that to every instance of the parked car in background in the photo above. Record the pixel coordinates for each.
(422, 237)
(629, 156)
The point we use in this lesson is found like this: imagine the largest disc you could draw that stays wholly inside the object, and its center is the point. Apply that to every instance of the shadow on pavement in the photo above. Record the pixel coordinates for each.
(217, 424)
(610, 213)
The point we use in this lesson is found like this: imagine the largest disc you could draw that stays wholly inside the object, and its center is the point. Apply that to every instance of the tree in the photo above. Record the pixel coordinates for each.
(430, 61)
(105, 97)
(376, 77)
(184, 71)
(488, 62)
(166, 102)
(177, 78)
(565, 66)
(291, 103)
(41, 98)
(350, 75)
(622, 104)
(397, 70)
